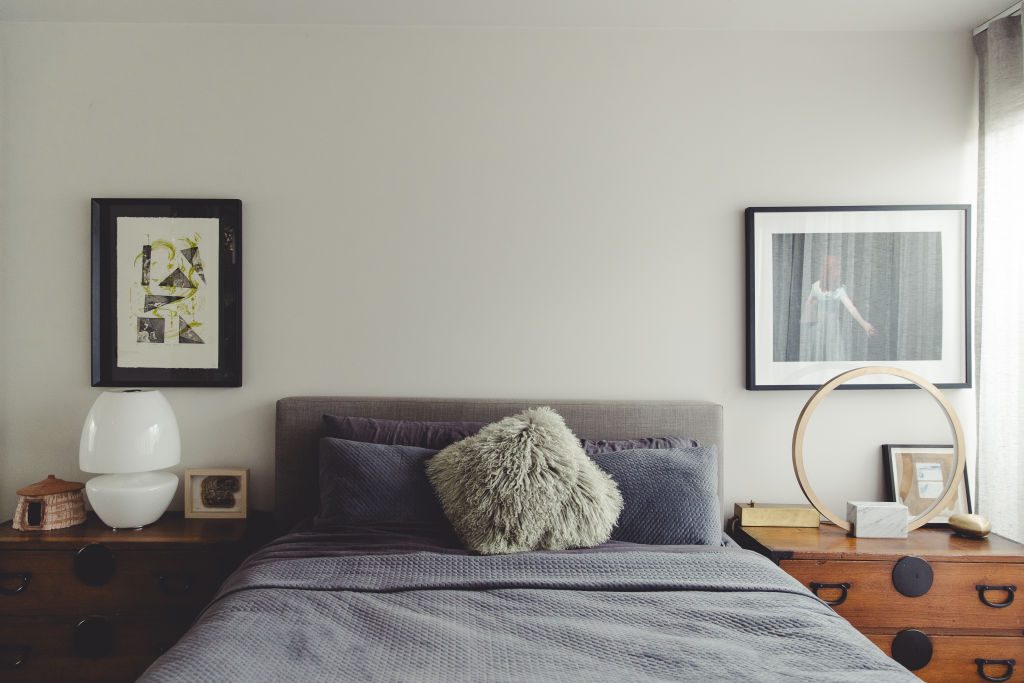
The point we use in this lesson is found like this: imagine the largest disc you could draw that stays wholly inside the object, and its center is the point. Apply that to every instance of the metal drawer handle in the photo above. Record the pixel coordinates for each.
(21, 654)
(174, 583)
(1008, 663)
(25, 577)
(842, 586)
(1010, 590)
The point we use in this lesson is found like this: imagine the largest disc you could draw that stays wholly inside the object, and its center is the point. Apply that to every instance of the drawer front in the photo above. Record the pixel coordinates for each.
(44, 648)
(954, 658)
(45, 582)
(953, 602)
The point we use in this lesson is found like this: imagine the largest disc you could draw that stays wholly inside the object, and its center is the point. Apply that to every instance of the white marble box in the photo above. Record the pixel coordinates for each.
(877, 520)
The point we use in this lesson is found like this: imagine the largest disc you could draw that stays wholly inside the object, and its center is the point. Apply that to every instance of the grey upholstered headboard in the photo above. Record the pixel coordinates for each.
(300, 427)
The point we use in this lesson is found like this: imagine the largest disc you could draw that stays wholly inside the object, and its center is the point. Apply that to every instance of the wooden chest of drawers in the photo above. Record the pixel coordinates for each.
(942, 605)
(89, 603)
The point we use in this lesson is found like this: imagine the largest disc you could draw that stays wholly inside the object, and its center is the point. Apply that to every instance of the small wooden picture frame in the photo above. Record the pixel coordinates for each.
(916, 475)
(216, 493)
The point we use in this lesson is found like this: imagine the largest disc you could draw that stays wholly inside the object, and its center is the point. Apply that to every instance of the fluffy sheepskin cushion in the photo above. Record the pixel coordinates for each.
(524, 483)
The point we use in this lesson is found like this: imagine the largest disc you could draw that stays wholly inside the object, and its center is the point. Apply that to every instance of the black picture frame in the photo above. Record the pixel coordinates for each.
(897, 459)
(909, 273)
(186, 327)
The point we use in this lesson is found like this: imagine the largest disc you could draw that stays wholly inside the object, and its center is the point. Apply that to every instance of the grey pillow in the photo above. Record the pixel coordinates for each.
(366, 483)
(524, 483)
(671, 495)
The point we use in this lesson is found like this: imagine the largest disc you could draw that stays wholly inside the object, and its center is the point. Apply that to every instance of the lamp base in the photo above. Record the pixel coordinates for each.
(131, 501)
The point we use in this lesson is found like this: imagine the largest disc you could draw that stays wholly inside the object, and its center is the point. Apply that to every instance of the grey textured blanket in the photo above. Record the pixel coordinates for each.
(690, 613)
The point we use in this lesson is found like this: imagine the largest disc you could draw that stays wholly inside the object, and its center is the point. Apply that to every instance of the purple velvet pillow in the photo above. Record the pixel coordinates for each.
(438, 435)
(650, 443)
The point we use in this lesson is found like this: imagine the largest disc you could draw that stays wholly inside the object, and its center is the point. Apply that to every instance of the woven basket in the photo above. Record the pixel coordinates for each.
(63, 505)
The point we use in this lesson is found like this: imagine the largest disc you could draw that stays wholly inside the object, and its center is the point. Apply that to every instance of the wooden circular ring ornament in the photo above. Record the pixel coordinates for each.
(959, 447)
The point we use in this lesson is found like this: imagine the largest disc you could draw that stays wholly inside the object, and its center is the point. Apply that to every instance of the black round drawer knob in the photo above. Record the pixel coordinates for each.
(94, 564)
(912, 649)
(912, 576)
(94, 637)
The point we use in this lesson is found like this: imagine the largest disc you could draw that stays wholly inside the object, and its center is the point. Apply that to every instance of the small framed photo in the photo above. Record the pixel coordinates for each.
(835, 288)
(916, 475)
(212, 493)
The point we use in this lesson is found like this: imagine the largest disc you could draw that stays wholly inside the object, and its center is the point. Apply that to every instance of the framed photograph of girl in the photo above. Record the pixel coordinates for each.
(834, 288)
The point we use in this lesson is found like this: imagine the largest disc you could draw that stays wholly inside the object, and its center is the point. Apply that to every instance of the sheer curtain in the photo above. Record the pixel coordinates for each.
(1000, 277)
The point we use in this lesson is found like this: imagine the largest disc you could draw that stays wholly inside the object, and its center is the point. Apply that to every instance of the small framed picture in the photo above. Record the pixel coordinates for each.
(916, 476)
(211, 493)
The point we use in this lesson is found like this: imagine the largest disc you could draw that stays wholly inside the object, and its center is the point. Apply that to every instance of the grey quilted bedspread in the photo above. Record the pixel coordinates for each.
(679, 613)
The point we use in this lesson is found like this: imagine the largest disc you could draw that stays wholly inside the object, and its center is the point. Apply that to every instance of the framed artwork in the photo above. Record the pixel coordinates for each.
(835, 288)
(916, 476)
(211, 493)
(166, 292)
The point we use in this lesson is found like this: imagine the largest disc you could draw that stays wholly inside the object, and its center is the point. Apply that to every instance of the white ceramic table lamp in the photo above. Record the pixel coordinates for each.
(127, 435)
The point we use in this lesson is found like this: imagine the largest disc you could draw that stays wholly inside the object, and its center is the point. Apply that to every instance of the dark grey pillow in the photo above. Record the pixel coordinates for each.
(670, 496)
(524, 483)
(366, 483)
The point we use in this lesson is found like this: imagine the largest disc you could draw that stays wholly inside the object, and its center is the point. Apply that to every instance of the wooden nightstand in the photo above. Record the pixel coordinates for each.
(942, 605)
(90, 603)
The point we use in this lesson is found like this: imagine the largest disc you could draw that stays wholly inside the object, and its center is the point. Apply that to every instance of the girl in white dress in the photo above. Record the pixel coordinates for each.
(821, 335)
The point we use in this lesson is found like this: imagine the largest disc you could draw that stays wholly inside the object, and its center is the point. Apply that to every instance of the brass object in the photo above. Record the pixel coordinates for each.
(971, 526)
(776, 514)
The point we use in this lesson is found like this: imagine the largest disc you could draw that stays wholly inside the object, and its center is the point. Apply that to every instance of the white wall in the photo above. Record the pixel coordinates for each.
(464, 212)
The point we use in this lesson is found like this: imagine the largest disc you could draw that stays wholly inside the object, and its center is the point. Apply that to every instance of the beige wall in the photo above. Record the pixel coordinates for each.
(464, 212)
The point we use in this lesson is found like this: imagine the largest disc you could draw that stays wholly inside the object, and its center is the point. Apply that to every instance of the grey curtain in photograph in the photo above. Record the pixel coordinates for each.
(999, 295)
(857, 296)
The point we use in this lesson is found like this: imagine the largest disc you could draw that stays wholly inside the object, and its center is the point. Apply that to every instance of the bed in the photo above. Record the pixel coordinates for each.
(403, 600)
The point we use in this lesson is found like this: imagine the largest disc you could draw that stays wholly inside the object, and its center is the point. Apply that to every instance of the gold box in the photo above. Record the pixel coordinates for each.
(777, 514)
